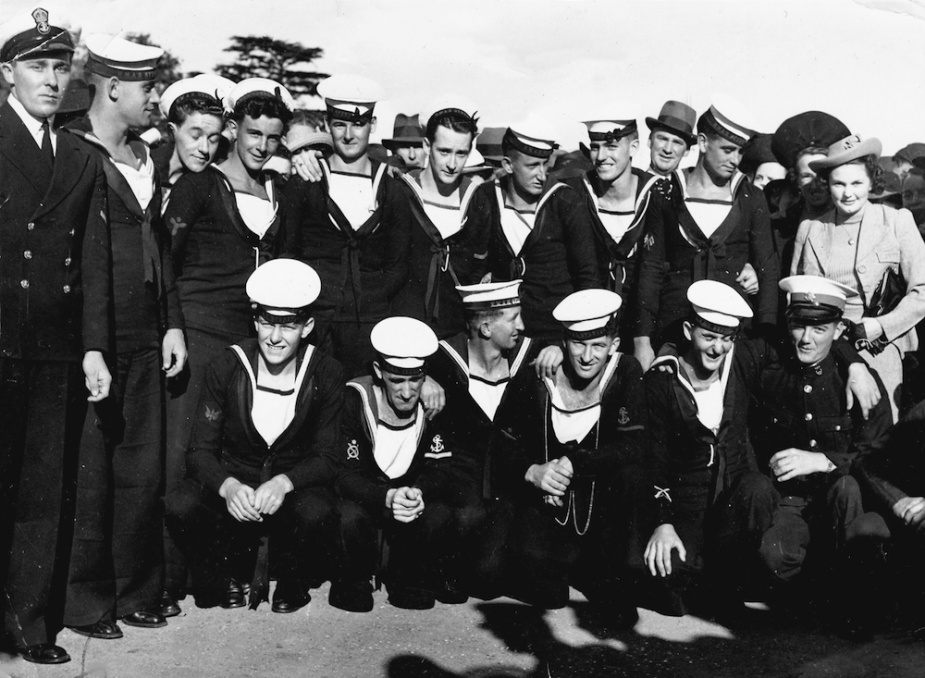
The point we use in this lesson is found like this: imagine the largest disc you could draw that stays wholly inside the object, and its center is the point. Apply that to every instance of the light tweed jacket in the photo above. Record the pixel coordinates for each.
(888, 238)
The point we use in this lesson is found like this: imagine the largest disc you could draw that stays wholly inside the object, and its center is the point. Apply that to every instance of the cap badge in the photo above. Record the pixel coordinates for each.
(437, 444)
(40, 16)
(353, 450)
(811, 297)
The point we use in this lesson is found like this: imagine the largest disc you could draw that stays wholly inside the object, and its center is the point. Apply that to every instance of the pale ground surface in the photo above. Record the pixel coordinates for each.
(478, 640)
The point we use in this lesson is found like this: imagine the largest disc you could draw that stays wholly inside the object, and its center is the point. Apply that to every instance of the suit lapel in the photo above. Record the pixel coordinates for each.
(70, 163)
(871, 233)
(21, 150)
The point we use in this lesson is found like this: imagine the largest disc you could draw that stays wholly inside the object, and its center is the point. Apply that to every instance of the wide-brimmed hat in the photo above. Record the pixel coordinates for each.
(804, 130)
(678, 119)
(756, 152)
(299, 136)
(406, 131)
(848, 149)
(910, 153)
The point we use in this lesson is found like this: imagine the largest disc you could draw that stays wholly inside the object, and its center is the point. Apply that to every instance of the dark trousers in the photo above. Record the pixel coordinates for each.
(218, 547)
(721, 540)
(43, 406)
(415, 549)
(117, 560)
(828, 520)
(182, 400)
(348, 341)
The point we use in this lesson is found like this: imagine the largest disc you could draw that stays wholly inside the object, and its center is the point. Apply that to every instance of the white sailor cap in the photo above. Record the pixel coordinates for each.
(251, 88)
(402, 344)
(723, 118)
(32, 35)
(350, 97)
(283, 289)
(814, 300)
(587, 314)
(533, 136)
(111, 56)
(609, 130)
(454, 104)
(717, 307)
(205, 85)
(490, 296)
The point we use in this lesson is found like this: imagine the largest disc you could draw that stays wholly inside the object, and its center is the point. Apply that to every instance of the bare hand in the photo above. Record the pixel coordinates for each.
(407, 504)
(433, 398)
(308, 166)
(793, 463)
(862, 385)
(551, 477)
(240, 501)
(97, 377)
(643, 352)
(658, 551)
(270, 496)
(173, 352)
(548, 361)
(911, 510)
(748, 280)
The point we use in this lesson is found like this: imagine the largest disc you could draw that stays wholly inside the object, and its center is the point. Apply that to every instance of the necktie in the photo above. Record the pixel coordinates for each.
(47, 151)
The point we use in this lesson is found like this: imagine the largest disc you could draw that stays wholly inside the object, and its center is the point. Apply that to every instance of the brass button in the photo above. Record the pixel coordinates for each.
(807, 389)
(862, 268)
(71, 232)
(813, 443)
(24, 284)
(27, 254)
(67, 262)
(30, 226)
(809, 416)
(67, 289)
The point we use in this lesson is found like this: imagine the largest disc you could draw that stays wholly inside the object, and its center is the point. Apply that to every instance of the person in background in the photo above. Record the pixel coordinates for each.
(671, 136)
(905, 158)
(55, 328)
(759, 163)
(873, 248)
(224, 222)
(407, 143)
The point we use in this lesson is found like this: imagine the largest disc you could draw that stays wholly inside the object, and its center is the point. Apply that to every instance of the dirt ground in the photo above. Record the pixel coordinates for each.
(479, 639)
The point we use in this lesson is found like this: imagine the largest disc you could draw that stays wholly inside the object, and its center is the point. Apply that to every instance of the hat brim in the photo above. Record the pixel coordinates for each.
(655, 124)
(392, 144)
(871, 146)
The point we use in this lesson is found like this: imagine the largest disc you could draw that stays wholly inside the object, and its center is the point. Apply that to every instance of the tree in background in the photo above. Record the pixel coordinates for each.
(264, 57)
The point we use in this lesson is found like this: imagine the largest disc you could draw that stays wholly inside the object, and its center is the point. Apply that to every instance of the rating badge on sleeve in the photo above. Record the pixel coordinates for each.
(353, 450)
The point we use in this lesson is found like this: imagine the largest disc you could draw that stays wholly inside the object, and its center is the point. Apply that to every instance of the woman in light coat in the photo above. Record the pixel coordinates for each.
(855, 243)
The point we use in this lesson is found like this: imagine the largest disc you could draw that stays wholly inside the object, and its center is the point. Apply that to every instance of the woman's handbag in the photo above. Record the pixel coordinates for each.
(889, 292)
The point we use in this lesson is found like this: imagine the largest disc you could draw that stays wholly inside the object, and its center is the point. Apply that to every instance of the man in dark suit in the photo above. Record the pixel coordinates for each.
(54, 326)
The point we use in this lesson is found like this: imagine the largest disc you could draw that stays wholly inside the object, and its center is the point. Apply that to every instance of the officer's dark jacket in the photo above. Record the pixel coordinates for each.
(805, 406)
(146, 301)
(618, 259)
(361, 270)
(214, 253)
(437, 265)
(360, 478)
(675, 254)
(55, 279)
(464, 421)
(225, 442)
(557, 257)
(525, 435)
(690, 465)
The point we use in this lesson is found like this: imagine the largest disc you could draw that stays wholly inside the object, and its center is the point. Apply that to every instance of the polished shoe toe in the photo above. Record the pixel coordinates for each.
(351, 596)
(45, 653)
(233, 595)
(145, 619)
(105, 630)
(289, 597)
(168, 605)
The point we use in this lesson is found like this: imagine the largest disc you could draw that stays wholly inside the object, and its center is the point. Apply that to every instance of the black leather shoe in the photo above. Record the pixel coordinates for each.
(351, 596)
(234, 595)
(45, 653)
(105, 630)
(145, 619)
(289, 596)
(411, 598)
(448, 594)
(169, 606)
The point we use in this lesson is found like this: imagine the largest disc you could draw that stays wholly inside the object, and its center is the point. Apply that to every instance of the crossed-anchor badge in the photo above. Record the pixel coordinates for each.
(353, 450)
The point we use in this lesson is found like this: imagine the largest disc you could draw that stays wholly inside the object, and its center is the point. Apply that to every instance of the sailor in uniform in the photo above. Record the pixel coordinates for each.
(570, 457)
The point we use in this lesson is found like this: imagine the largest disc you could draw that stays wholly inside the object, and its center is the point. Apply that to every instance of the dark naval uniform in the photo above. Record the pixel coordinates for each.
(362, 269)
(557, 256)
(55, 284)
(416, 548)
(592, 540)
(437, 264)
(117, 558)
(676, 253)
(804, 406)
(226, 443)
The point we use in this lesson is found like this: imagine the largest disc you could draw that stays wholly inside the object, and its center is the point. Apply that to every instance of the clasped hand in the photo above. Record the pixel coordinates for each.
(406, 503)
(245, 504)
(553, 477)
(793, 463)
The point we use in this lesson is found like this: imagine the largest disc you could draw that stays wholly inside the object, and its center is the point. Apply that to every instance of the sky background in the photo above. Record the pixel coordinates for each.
(571, 60)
